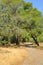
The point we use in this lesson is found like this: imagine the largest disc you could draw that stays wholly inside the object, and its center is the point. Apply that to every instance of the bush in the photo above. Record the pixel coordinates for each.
(4, 40)
(13, 39)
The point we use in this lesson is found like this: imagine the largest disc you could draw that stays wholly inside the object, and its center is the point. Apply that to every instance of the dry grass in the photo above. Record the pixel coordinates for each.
(12, 56)
(15, 56)
(41, 46)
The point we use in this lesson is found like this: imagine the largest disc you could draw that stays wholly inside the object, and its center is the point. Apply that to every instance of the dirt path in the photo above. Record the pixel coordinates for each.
(35, 57)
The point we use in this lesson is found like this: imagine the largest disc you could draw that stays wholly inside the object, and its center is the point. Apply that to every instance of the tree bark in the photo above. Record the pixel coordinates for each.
(17, 41)
(35, 39)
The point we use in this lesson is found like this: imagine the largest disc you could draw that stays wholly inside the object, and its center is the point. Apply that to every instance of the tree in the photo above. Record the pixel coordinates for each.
(32, 24)
(18, 19)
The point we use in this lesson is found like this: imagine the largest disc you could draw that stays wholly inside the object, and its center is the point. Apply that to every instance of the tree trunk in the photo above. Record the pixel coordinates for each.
(17, 41)
(35, 39)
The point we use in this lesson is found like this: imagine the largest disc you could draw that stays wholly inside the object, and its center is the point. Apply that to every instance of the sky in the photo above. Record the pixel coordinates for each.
(37, 4)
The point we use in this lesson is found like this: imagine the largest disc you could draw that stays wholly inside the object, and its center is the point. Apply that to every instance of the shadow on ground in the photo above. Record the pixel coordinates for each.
(29, 45)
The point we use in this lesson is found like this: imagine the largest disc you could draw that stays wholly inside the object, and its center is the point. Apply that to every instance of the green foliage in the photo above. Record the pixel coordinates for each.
(19, 19)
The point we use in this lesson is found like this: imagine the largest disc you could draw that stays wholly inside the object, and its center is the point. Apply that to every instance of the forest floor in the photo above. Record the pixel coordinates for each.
(27, 54)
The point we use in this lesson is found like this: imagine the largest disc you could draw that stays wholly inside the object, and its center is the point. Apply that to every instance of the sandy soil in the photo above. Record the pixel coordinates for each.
(35, 56)
(12, 56)
(28, 54)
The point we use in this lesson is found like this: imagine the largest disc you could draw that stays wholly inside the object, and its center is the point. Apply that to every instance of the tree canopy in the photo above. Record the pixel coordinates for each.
(20, 21)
